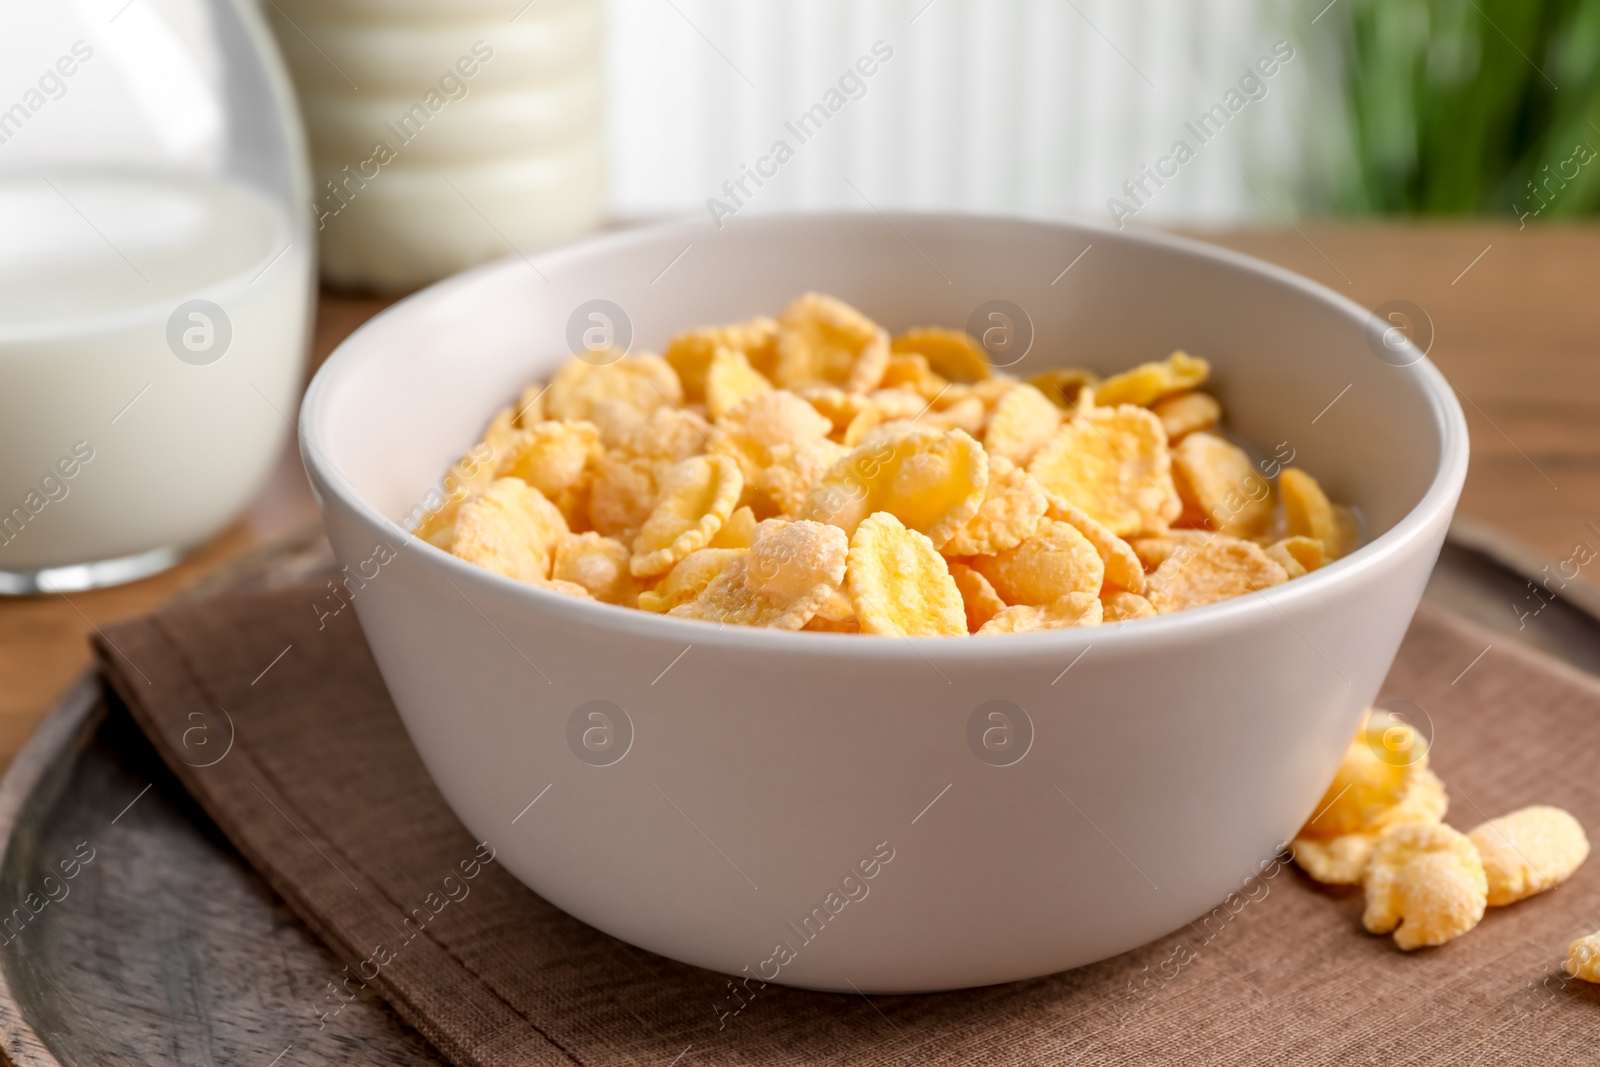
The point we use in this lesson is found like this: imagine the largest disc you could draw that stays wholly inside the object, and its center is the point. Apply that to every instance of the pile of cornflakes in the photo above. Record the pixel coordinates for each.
(813, 473)
(1380, 825)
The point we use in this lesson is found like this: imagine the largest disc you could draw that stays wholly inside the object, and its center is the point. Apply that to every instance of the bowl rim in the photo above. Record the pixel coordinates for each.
(1179, 627)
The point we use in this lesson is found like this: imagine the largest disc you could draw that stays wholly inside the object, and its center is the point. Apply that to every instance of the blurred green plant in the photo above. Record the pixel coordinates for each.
(1473, 106)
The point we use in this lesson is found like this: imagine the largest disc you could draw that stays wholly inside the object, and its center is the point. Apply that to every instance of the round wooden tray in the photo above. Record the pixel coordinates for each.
(164, 946)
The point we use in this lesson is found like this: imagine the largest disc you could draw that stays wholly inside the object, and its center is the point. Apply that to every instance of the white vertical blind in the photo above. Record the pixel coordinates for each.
(1033, 107)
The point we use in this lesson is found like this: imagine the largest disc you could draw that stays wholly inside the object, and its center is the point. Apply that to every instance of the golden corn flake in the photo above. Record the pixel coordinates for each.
(558, 459)
(1124, 569)
(510, 529)
(1149, 382)
(1013, 503)
(1298, 555)
(566, 588)
(1063, 385)
(837, 607)
(1338, 860)
(691, 352)
(666, 435)
(834, 404)
(1583, 958)
(1122, 606)
(1308, 513)
(1220, 487)
(1529, 851)
(932, 481)
(870, 426)
(1368, 784)
(1154, 551)
(968, 414)
(823, 341)
(899, 585)
(1220, 569)
(697, 496)
(615, 397)
(599, 565)
(790, 560)
(1425, 883)
(1067, 612)
(756, 424)
(738, 532)
(471, 475)
(910, 370)
(951, 354)
(688, 578)
(1114, 465)
(1056, 561)
(729, 380)
(897, 403)
(1023, 420)
(791, 571)
(1187, 413)
(988, 392)
(793, 468)
(982, 603)
(887, 413)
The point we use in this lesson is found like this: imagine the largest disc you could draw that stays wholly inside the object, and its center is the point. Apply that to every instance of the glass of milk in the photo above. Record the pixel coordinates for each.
(156, 264)
(445, 133)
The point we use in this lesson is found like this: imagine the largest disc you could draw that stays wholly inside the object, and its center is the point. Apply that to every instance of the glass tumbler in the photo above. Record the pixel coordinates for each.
(156, 265)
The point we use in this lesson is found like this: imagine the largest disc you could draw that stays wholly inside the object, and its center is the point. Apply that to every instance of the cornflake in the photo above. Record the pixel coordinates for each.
(1112, 463)
(1187, 413)
(781, 581)
(614, 396)
(1072, 610)
(823, 341)
(1529, 851)
(510, 529)
(1425, 884)
(1308, 513)
(899, 584)
(1056, 561)
(1149, 382)
(1064, 386)
(1220, 569)
(1123, 567)
(696, 498)
(1583, 958)
(1023, 420)
(982, 603)
(1220, 487)
(932, 481)
(1122, 606)
(599, 565)
(731, 379)
(808, 472)
(1013, 503)
(951, 354)
(690, 353)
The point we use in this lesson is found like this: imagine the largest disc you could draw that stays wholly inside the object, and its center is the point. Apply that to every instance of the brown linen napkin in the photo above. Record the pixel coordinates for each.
(310, 773)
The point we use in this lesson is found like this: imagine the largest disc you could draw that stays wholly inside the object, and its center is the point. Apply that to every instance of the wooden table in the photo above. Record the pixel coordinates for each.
(1517, 328)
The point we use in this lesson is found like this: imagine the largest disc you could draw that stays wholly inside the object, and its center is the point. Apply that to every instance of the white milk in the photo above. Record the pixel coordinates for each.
(112, 446)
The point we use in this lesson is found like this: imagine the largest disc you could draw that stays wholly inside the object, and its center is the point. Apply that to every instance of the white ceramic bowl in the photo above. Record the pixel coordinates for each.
(749, 774)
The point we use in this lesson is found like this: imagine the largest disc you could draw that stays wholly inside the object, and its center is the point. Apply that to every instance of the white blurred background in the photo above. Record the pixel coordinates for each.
(1033, 107)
